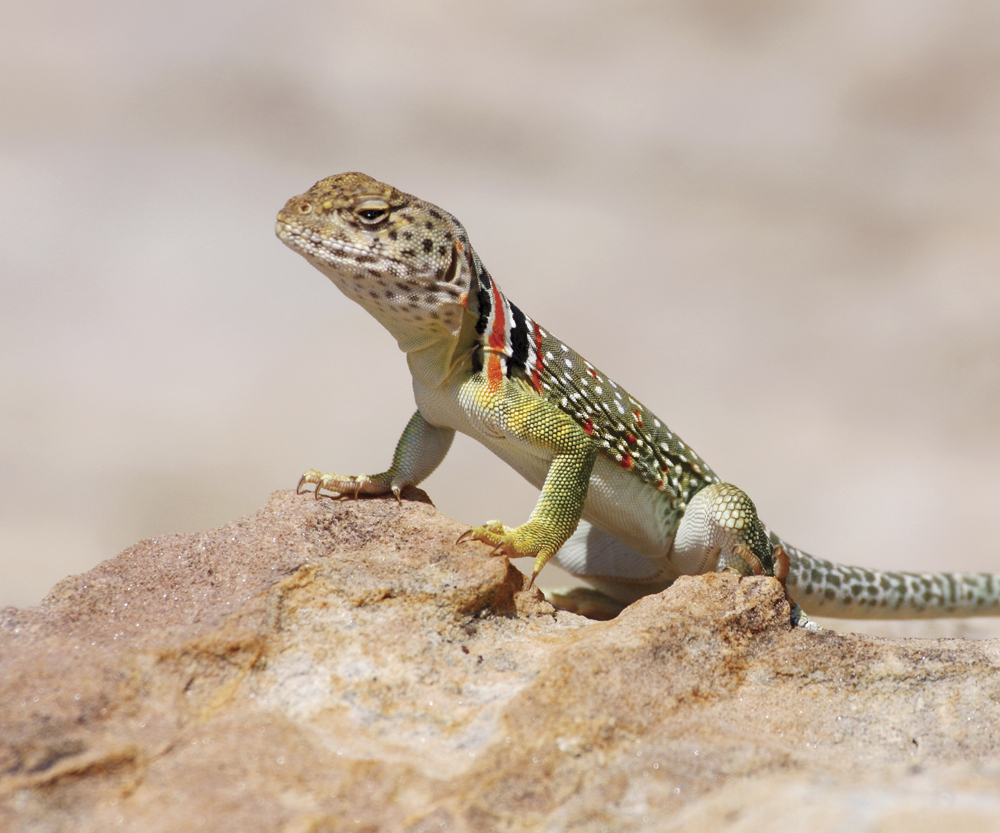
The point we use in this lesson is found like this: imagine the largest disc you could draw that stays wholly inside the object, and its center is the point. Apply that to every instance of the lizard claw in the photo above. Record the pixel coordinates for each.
(483, 533)
(311, 476)
(752, 560)
(783, 564)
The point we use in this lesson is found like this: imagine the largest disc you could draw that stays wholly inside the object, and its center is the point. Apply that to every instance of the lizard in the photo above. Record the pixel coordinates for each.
(625, 504)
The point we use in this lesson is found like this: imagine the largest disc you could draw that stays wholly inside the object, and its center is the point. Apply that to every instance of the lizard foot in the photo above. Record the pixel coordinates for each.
(349, 485)
(800, 620)
(517, 542)
(782, 564)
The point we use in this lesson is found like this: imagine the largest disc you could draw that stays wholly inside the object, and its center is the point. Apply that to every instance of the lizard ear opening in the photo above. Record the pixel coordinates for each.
(451, 274)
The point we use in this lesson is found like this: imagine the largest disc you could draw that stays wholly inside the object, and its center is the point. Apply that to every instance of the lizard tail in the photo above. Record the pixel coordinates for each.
(824, 588)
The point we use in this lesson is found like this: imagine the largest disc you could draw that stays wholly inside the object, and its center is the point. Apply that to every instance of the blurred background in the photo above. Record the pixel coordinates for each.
(776, 223)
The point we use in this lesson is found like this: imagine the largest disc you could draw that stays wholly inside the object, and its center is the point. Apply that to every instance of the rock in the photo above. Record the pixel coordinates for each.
(344, 665)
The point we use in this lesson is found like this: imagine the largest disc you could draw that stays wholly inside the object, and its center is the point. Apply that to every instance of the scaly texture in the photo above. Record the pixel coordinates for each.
(652, 509)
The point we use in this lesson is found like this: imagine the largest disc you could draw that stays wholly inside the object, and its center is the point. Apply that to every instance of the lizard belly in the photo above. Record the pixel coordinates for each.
(629, 509)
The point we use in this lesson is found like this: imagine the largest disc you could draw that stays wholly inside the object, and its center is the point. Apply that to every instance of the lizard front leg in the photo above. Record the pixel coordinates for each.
(420, 450)
(526, 419)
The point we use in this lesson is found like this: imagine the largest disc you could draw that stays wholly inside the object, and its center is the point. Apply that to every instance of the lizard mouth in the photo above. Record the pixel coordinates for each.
(314, 245)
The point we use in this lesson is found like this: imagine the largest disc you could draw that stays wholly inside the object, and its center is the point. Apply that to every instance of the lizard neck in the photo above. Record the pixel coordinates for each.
(435, 364)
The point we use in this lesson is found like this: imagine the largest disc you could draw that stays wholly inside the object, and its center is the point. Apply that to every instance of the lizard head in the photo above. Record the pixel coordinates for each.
(404, 260)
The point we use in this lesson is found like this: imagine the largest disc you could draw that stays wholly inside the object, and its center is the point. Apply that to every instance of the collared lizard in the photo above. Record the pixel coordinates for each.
(651, 508)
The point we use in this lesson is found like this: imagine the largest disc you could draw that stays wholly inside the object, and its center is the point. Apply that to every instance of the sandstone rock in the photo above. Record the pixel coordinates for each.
(328, 666)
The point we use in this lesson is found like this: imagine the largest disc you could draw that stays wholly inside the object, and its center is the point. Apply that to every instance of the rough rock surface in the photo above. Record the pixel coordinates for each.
(333, 666)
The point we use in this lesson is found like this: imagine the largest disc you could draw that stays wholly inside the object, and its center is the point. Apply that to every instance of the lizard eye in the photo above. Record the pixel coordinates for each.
(372, 212)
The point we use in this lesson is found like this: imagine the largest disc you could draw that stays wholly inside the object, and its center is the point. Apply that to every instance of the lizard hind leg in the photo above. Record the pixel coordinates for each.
(721, 531)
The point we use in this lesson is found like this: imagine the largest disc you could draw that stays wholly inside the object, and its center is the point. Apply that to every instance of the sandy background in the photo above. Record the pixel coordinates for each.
(778, 224)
